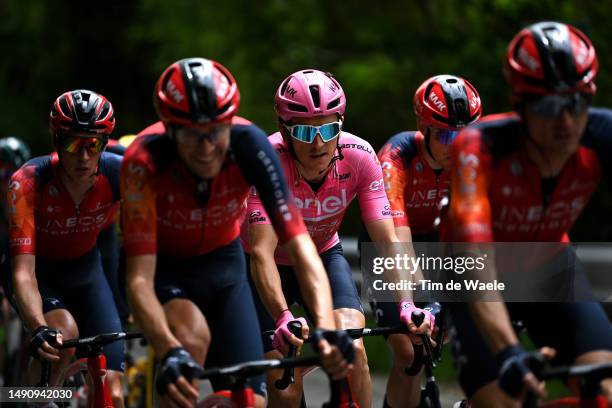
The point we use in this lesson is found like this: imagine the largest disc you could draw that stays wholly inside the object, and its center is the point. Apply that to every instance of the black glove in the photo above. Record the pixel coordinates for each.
(177, 362)
(42, 334)
(339, 338)
(513, 363)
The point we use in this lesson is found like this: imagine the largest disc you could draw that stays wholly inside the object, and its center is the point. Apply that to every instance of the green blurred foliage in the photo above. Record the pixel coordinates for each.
(379, 51)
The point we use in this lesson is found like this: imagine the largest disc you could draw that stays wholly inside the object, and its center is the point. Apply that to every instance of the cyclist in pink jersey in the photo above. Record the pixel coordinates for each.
(326, 169)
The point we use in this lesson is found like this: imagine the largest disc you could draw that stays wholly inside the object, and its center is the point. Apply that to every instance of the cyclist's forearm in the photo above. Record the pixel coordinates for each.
(313, 280)
(27, 296)
(147, 310)
(494, 324)
(267, 281)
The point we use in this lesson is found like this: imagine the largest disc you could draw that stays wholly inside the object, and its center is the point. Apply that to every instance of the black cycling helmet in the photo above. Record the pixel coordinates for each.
(14, 151)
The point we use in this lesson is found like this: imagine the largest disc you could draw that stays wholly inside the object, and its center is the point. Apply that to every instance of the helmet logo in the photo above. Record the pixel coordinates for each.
(291, 92)
(474, 102)
(174, 92)
(437, 102)
(581, 54)
(528, 60)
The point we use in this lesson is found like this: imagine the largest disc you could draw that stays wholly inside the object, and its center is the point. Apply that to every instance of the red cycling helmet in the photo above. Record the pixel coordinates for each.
(447, 102)
(196, 92)
(82, 111)
(551, 58)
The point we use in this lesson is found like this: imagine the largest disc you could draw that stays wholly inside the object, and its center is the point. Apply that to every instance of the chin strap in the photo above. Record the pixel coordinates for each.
(428, 147)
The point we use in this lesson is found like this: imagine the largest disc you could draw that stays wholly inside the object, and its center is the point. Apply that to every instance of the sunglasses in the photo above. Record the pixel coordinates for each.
(446, 137)
(75, 144)
(308, 133)
(194, 137)
(553, 105)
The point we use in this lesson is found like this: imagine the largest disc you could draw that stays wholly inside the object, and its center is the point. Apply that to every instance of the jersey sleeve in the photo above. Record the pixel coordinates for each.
(599, 138)
(256, 211)
(394, 177)
(21, 198)
(261, 168)
(371, 194)
(470, 208)
(139, 210)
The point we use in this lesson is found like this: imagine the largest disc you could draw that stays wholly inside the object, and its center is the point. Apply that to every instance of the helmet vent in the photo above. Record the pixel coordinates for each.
(64, 107)
(333, 103)
(204, 104)
(463, 114)
(104, 111)
(451, 81)
(314, 92)
(284, 86)
(297, 108)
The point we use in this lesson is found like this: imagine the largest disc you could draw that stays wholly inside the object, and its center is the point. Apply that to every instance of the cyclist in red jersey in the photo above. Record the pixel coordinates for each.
(184, 181)
(14, 152)
(526, 176)
(59, 203)
(415, 170)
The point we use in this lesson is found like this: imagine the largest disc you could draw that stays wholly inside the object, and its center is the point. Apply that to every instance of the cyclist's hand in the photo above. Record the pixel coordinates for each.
(43, 342)
(515, 371)
(406, 309)
(176, 372)
(282, 334)
(336, 352)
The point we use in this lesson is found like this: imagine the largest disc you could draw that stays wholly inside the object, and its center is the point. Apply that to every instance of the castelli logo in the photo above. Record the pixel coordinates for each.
(437, 102)
(174, 92)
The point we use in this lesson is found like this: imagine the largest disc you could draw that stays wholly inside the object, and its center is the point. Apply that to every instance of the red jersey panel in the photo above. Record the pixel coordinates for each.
(45, 221)
(413, 187)
(498, 193)
(169, 210)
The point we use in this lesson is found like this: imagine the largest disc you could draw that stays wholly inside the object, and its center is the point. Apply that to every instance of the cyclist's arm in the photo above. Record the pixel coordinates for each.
(22, 235)
(148, 312)
(395, 180)
(264, 270)
(404, 234)
(139, 222)
(27, 295)
(313, 280)
(374, 202)
(470, 221)
(261, 167)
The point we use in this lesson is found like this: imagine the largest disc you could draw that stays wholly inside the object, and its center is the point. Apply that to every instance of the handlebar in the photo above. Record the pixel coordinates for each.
(91, 345)
(252, 368)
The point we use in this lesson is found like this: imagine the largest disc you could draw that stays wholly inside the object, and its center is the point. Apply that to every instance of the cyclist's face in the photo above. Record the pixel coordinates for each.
(80, 162)
(203, 150)
(560, 134)
(315, 156)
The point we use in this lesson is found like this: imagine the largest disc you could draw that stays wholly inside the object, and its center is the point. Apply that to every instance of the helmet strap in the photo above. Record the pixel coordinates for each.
(428, 146)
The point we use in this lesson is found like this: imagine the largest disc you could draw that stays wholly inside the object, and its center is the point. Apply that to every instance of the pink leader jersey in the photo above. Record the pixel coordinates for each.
(357, 174)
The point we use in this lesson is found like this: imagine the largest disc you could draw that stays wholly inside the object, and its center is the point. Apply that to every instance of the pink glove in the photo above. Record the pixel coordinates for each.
(405, 310)
(282, 333)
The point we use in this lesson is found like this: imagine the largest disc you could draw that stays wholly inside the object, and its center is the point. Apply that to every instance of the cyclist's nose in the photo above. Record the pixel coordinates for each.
(318, 141)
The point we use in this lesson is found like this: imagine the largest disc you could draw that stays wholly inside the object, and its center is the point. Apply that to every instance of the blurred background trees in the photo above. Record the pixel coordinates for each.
(379, 51)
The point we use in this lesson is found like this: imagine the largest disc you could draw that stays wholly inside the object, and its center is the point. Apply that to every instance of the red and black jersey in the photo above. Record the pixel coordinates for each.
(169, 210)
(413, 187)
(498, 194)
(45, 221)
